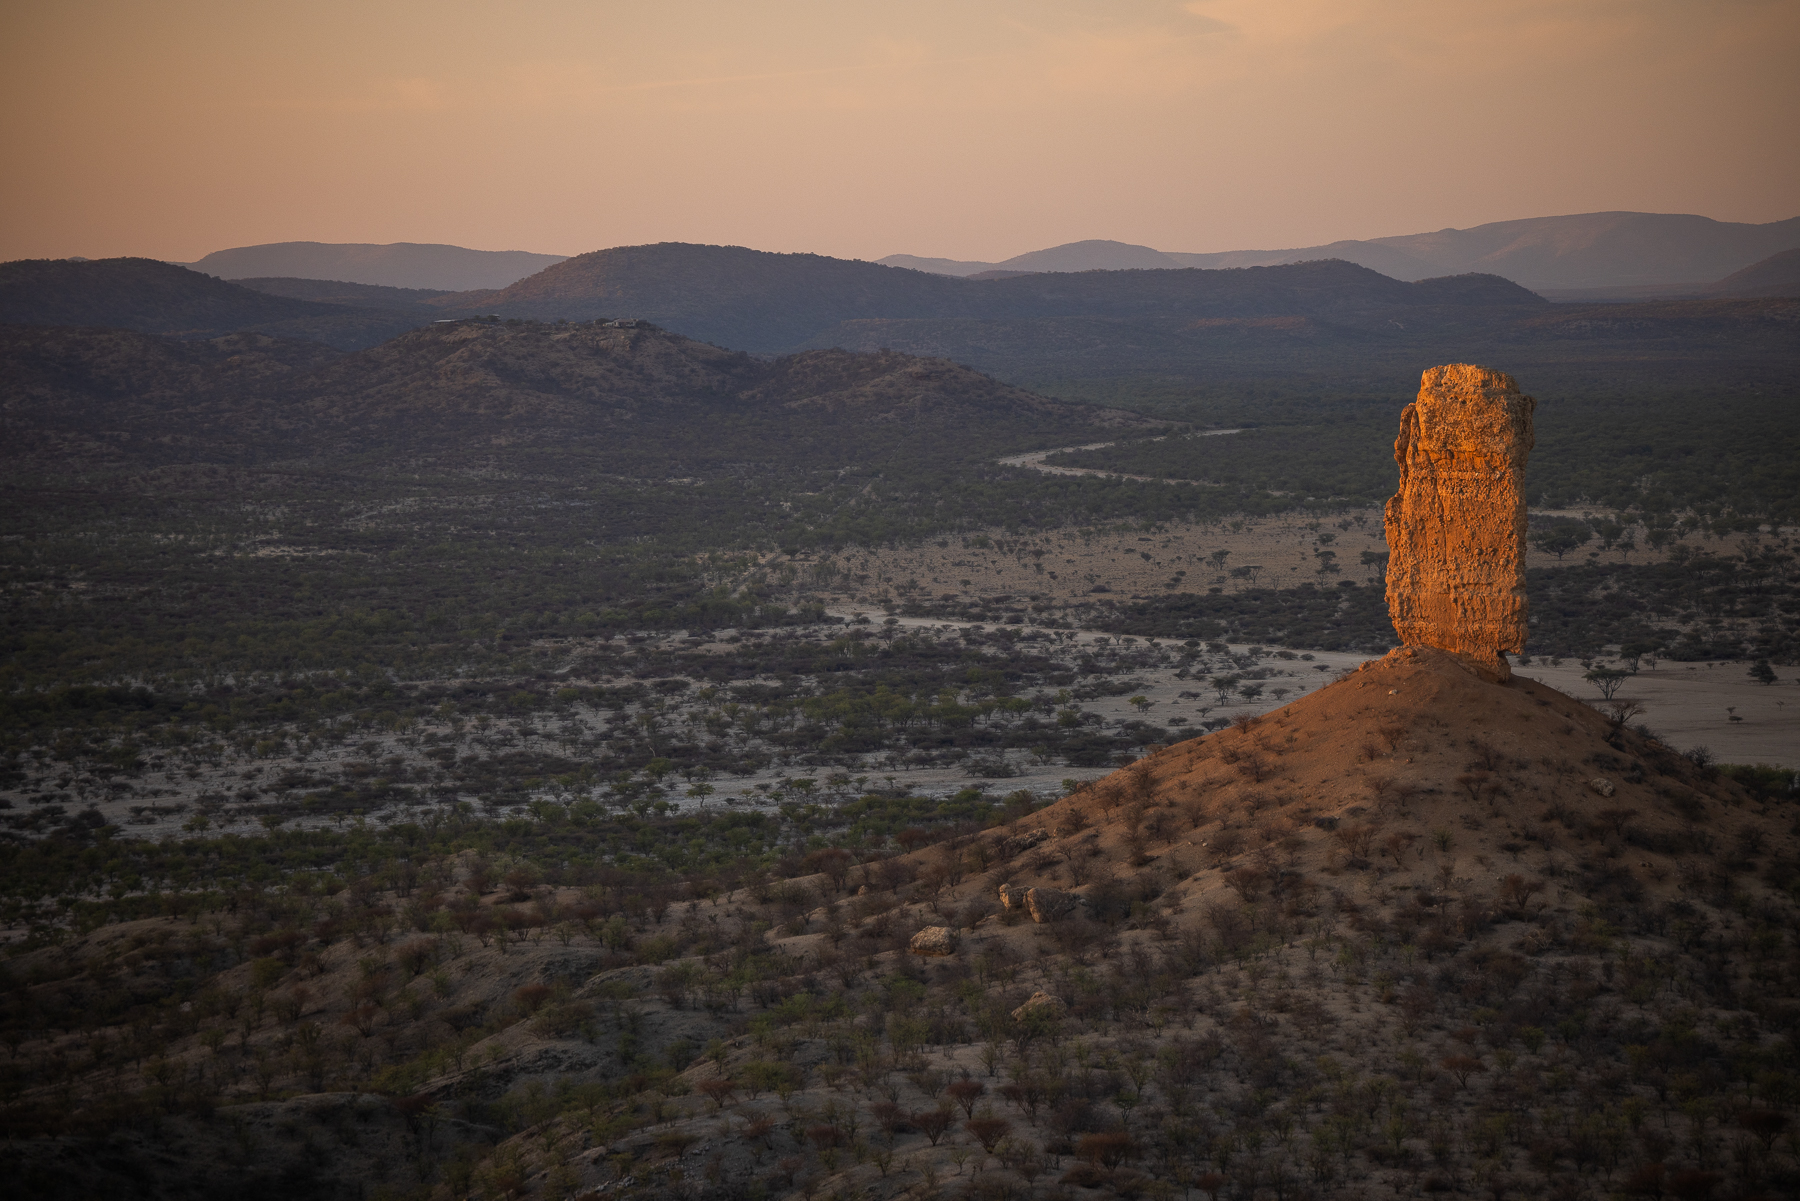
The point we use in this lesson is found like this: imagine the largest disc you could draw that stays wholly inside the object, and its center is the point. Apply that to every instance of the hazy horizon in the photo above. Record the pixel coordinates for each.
(916, 254)
(974, 133)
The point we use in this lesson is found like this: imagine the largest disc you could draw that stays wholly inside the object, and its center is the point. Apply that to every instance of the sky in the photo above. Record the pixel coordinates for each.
(970, 129)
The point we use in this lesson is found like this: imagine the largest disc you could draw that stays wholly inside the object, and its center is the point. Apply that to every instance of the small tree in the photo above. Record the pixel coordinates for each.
(1607, 679)
(1563, 536)
(988, 1131)
(932, 1123)
(965, 1093)
(1632, 654)
(1109, 1148)
(718, 1090)
(1462, 1067)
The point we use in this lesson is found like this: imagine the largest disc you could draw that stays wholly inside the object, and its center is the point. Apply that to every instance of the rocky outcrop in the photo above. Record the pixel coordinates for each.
(933, 940)
(1018, 844)
(1456, 526)
(1041, 1005)
(1046, 904)
(1043, 904)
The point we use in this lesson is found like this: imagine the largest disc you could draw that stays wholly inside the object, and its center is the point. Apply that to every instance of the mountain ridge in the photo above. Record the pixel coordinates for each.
(394, 264)
(766, 302)
(1571, 251)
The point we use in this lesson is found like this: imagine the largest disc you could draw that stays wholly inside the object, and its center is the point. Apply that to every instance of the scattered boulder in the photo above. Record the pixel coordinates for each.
(1047, 904)
(1041, 1004)
(1018, 844)
(1012, 896)
(933, 940)
(1602, 785)
(1456, 526)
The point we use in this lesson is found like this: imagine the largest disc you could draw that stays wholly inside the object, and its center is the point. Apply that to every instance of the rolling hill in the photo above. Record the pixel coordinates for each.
(1581, 252)
(162, 298)
(1314, 319)
(1777, 275)
(1095, 254)
(765, 302)
(337, 291)
(639, 400)
(140, 294)
(396, 265)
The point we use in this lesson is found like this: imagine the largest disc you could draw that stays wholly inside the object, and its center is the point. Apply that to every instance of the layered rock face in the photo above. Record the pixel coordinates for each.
(1456, 527)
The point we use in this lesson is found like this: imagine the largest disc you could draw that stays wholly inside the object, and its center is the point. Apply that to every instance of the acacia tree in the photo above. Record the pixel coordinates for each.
(1607, 679)
(1562, 537)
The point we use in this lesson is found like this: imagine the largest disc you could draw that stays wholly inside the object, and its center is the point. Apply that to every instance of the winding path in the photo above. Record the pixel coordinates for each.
(1035, 460)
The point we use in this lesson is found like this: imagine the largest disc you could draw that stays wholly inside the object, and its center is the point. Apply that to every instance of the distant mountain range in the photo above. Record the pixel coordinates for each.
(1584, 256)
(396, 265)
(744, 299)
(1578, 253)
(769, 303)
(1092, 255)
(1313, 318)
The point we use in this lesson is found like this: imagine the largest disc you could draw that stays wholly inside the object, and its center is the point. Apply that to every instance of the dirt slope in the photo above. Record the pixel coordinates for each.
(1416, 932)
(1413, 933)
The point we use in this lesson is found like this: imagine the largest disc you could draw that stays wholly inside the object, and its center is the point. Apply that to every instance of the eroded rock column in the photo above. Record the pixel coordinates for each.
(1456, 527)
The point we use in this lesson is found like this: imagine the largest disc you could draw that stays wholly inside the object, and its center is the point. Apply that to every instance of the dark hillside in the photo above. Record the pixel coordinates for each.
(645, 400)
(641, 399)
(141, 294)
(1567, 348)
(771, 302)
(1777, 275)
(77, 399)
(397, 264)
(337, 291)
(736, 297)
(162, 298)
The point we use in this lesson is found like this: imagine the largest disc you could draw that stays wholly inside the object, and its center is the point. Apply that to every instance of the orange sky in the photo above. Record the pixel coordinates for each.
(964, 128)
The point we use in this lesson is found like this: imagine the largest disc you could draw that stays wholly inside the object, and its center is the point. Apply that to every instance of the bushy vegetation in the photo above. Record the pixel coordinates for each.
(1645, 456)
(631, 723)
(1690, 607)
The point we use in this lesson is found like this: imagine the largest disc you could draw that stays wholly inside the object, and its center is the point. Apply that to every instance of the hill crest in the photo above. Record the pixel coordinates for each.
(767, 302)
(394, 265)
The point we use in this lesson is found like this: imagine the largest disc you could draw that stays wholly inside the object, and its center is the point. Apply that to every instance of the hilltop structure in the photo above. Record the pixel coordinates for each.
(1456, 526)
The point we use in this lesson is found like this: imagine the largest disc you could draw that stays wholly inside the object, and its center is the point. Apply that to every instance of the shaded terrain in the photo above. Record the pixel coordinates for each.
(770, 302)
(1412, 932)
(407, 265)
(162, 298)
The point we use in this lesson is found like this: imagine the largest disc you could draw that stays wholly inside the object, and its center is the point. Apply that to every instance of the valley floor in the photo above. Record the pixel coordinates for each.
(1715, 705)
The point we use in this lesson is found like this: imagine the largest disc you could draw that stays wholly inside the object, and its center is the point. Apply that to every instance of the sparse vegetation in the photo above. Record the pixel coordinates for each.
(1280, 986)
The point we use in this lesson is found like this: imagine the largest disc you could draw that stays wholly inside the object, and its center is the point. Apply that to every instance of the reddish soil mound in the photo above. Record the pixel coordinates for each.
(1419, 770)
